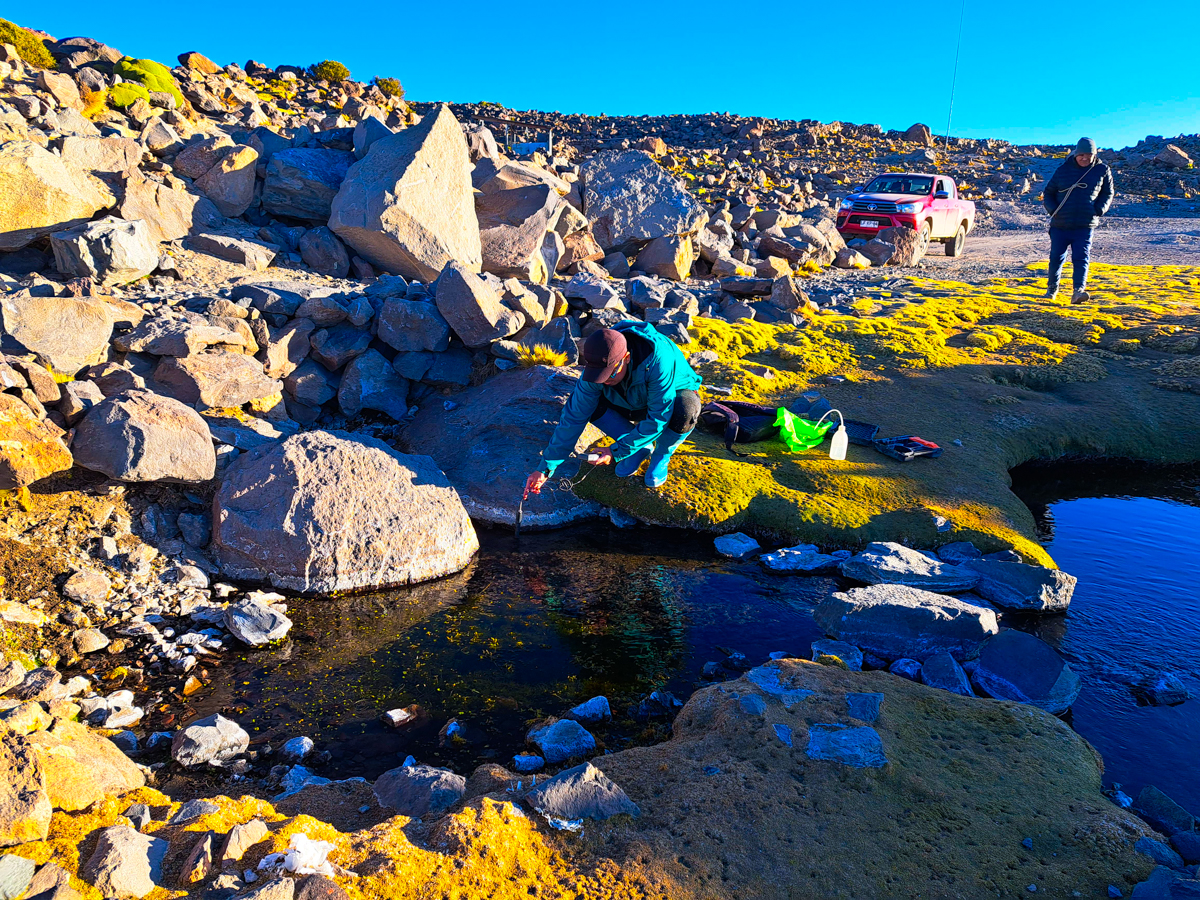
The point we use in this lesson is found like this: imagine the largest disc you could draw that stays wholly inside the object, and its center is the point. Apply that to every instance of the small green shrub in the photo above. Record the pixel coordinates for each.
(152, 75)
(127, 93)
(329, 70)
(29, 46)
(389, 87)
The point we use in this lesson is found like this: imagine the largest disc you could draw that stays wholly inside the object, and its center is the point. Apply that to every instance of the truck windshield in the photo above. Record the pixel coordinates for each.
(901, 184)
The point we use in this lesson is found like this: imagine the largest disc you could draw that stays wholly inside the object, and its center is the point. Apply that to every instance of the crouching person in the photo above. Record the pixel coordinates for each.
(638, 388)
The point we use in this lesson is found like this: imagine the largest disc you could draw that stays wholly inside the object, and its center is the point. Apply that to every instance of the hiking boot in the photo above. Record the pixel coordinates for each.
(668, 442)
(1050, 295)
(1081, 296)
(631, 464)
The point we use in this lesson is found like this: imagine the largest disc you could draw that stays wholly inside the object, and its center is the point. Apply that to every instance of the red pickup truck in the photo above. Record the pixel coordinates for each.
(929, 203)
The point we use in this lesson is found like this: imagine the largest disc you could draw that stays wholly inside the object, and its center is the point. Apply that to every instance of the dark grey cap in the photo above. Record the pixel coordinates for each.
(1085, 145)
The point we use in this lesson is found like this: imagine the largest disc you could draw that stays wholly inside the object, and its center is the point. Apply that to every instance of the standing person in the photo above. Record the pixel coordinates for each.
(636, 387)
(1078, 194)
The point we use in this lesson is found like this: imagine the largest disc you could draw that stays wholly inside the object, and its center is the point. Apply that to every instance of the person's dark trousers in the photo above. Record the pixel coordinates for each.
(1079, 242)
(685, 413)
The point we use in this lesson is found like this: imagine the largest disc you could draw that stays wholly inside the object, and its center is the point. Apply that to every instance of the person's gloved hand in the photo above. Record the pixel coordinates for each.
(533, 484)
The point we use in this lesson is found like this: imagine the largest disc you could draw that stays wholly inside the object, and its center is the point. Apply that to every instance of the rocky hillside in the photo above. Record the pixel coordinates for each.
(275, 329)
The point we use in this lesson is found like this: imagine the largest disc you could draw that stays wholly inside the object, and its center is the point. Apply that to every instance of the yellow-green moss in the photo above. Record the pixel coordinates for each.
(931, 367)
(30, 47)
(127, 93)
(152, 75)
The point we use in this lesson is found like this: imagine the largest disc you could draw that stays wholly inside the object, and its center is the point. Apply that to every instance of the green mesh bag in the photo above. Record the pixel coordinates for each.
(799, 434)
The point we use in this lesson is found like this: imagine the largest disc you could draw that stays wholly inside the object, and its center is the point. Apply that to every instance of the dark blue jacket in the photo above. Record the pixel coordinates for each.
(1086, 203)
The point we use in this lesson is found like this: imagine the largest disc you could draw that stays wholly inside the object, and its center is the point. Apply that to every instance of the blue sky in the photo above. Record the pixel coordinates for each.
(1029, 71)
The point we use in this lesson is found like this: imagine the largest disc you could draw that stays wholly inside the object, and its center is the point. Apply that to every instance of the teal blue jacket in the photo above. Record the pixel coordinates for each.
(652, 386)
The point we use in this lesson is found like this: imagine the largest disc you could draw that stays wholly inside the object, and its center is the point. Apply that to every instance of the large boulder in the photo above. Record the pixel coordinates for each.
(109, 251)
(1014, 585)
(185, 336)
(169, 213)
(125, 863)
(215, 378)
(142, 436)
(419, 790)
(885, 562)
(324, 253)
(472, 307)
(494, 439)
(328, 511)
(1017, 666)
(81, 766)
(893, 621)
(512, 230)
(40, 194)
(302, 182)
(630, 199)
(408, 207)
(24, 804)
(64, 333)
(102, 155)
(30, 449)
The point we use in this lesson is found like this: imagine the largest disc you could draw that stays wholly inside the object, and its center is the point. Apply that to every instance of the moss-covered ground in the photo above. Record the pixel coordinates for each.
(728, 810)
(1011, 375)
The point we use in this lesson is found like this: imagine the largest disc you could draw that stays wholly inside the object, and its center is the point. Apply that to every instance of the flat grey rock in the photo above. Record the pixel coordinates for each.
(859, 747)
(890, 563)
(864, 707)
(125, 863)
(895, 621)
(1014, 585)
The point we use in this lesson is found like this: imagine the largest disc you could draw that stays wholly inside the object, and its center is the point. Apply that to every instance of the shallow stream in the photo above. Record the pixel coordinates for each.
(539, 624)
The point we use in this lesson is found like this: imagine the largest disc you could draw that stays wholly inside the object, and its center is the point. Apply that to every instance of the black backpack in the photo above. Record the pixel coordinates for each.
(740, 422)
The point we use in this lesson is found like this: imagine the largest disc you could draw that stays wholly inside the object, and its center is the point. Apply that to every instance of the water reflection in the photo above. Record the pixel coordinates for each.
(535, 627)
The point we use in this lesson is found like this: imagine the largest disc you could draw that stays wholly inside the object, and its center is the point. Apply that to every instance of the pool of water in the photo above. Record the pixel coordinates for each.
(1131, 535)
(535, 626)
(539, 624)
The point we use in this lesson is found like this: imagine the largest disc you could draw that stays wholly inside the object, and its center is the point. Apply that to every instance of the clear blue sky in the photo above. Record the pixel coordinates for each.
(1029, 71)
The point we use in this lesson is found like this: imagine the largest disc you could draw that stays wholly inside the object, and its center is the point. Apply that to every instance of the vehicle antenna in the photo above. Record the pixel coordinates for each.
(954, 78)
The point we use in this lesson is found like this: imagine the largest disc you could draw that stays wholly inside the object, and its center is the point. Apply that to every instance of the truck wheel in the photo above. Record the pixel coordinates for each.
(954, 246)
(926, 231)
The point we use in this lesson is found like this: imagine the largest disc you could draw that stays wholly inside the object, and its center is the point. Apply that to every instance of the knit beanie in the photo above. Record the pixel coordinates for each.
(1085, 145)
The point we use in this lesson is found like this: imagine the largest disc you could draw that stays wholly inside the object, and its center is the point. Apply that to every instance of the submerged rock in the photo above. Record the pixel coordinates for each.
(894, 621)
(1163, 813)
(329, 511)
(582, 792)
(1017, 666)
(884, 562)
(803, 559)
